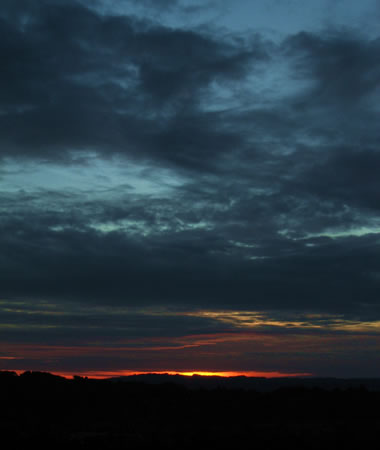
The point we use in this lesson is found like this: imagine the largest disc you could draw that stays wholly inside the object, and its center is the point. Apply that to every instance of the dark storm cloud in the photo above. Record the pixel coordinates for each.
(264, 174)
(348, 177)
(76, 322)
(338, 106)
(345, 67)
(74, 79)
(199, 268)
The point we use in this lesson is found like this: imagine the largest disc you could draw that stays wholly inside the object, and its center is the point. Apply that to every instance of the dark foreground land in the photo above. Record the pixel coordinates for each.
(46, 411)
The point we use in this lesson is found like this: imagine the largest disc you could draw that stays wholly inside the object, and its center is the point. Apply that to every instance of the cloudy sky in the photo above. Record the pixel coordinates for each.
(190, 185)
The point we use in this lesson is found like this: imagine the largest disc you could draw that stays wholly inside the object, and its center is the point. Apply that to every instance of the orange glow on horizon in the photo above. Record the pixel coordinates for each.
(224, 374)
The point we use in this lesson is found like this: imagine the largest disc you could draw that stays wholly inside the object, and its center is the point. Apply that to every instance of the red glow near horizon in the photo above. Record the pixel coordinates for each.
(121, 373)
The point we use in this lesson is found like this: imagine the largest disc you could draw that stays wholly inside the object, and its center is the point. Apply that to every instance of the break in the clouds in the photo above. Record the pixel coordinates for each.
(169, 169)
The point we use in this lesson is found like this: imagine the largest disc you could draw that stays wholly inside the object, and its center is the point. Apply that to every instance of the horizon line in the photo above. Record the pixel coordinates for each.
(99, 374)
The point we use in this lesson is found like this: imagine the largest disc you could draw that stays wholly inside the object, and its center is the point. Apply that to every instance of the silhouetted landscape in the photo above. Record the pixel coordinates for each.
(190, 186)
(147, 411)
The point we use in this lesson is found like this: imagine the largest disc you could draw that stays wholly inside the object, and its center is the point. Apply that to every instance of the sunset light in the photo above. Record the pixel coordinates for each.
(189, 224)
(124, 373)
(190, 187)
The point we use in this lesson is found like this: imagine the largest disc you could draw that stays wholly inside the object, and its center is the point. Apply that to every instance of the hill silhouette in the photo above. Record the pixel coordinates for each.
(49, 411)
(260, 384)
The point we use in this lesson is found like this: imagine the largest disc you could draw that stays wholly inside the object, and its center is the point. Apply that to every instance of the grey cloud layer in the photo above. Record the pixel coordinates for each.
(261, 176)
(76, 80)
(194, 268)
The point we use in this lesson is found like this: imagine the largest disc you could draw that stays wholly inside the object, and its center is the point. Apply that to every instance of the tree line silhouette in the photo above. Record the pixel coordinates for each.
(49, 411)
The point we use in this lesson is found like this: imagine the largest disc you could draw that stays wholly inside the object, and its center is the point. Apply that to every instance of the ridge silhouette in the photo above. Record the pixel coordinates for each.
(50, 411)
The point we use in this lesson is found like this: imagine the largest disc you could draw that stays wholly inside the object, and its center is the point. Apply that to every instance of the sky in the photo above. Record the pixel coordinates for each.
(190, 186)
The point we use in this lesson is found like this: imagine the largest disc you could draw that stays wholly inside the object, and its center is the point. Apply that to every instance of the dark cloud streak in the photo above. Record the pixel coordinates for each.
(204, 170)
(76, 80)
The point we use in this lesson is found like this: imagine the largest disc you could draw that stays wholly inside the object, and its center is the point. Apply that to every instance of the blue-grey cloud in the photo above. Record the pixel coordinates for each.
(153, 166)
(113, 84)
